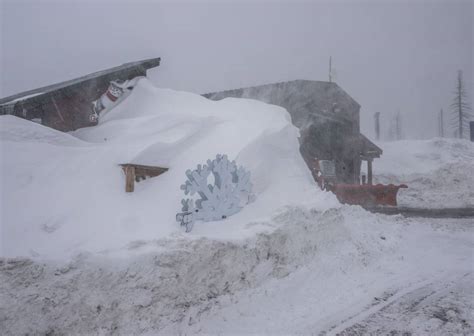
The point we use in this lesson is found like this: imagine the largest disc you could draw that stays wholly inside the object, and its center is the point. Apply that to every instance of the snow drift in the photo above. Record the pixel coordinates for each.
(148, 292)
(64, 193)
(438, 172)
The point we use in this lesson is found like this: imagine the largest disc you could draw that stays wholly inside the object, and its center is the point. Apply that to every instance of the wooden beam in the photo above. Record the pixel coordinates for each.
(129, 178)
(136, 173)
(369, 172)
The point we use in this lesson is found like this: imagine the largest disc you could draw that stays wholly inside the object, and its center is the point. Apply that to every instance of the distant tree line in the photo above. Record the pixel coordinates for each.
(395, 127)
(460, 109)
(460, 116)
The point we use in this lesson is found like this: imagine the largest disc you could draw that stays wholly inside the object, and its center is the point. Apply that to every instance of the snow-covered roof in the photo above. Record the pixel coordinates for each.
(36, 93)
(368, 148)
(303, 99)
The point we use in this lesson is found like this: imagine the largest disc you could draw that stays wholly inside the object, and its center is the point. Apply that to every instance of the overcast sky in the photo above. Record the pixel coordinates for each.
(388, 55)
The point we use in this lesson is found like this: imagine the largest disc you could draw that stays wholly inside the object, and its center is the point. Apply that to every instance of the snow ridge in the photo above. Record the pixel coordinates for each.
(438, 172)
(154, 290)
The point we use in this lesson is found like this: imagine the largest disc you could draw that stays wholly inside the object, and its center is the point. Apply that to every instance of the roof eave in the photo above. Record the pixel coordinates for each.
(145, 64)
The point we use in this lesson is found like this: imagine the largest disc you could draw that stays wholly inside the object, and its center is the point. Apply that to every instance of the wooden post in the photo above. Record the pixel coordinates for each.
(129, 178)
(136, 173)
(369, 171)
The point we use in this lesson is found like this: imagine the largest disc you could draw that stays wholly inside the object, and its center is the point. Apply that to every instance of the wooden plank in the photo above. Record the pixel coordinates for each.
(149, 171)
(129, 178)
(369, 172)
(134, 172)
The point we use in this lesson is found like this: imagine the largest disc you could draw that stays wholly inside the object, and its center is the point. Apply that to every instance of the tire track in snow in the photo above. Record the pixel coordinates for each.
(406, 302)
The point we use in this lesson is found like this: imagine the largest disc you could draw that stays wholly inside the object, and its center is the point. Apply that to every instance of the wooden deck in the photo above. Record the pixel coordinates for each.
(136, 173)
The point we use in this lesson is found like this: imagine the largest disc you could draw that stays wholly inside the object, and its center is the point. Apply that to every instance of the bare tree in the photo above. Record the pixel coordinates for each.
(395, 131)
(460, 107)
(390, 134)
(441, 124)
(377, 125)
(398, 126)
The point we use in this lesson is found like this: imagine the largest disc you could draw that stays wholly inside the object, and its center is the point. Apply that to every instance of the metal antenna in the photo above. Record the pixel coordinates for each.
(330, 69)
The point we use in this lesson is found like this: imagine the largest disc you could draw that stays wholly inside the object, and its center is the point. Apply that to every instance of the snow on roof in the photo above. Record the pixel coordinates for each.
(309, 84)
(369, 149)
(145, 64)
(304, 99)
(24, 97)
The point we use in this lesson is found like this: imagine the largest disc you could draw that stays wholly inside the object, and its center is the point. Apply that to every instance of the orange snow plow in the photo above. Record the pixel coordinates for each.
(367, 194)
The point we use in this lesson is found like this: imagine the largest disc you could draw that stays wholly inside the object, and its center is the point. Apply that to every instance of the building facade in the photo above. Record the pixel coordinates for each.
(328, 119)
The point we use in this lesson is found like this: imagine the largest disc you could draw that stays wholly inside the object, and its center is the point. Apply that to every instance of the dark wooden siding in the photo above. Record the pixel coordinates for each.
(67, 106)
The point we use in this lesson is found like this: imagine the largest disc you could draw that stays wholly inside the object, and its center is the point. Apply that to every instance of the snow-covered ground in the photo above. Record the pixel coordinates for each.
(416, 280)
(80, 256)
(438, 172)
(320, 273)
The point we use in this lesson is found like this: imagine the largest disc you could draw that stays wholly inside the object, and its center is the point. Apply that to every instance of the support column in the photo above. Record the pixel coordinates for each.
(369, 171)
(129, 178)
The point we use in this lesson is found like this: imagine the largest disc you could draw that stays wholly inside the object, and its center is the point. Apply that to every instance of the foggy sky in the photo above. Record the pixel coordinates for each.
(388, 55)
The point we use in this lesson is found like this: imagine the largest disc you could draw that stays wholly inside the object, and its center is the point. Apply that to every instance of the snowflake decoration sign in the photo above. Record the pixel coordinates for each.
(222, 189)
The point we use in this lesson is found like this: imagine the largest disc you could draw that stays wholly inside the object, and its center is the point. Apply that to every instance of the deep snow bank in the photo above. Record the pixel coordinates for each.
(144, 293)
(438, 172)
(64, 193)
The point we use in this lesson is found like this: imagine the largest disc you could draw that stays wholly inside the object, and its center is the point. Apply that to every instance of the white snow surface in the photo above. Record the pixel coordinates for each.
(64, 194)
(82, 257)
(343, 271)
(438, 172)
